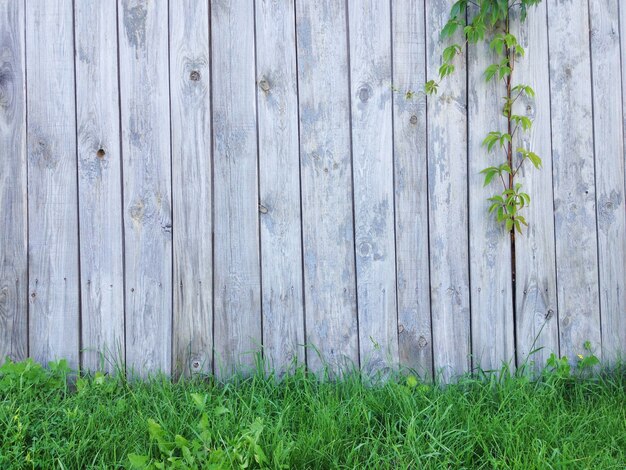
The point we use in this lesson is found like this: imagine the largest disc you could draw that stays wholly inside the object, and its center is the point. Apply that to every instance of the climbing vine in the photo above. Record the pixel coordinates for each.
(490, 20)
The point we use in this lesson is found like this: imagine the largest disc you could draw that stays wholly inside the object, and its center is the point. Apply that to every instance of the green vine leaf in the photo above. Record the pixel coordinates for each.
(431, 87)
(450, 28)
(450, 52)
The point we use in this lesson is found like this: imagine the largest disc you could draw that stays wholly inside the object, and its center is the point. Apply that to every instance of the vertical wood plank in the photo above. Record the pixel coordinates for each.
(490, 244)
(325, 153)
(237, 264)
(145, 110)
(536, 302)
(448, 208)
(411, 187)
(99, 182)
(191, 186)
(13, 185)
(52, 185)
(279, 179)
(574, 185)
(609, 150)
(373, 179)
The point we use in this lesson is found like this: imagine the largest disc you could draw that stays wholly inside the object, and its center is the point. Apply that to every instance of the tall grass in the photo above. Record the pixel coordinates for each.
(562, 419)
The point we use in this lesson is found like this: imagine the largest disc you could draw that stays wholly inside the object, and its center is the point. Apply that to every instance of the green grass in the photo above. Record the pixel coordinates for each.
(559, 421)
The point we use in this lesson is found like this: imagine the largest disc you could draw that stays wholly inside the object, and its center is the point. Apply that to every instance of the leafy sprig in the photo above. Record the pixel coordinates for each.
(490, 20)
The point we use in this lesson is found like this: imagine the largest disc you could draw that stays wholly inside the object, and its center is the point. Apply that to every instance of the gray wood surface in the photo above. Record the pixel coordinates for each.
(574, 185)
(536, 303)
(373, 180)
(187, 185)
(238, 328)
(13, 185)
(52, 186)
(448, 206)
(279, 184)
(143, 59)
(490, 244)
(415, 346)
(326, 167)
(190, 81)
(622, 25)
(606, 60)
(99, 184)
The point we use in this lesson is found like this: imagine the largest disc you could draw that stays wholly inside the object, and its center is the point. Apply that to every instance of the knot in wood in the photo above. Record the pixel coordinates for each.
(194, 75)
(100, 153)
(7, 78)
(264, 85)
(413, 119)
(365, 249)
(422, 342)
(365, 92)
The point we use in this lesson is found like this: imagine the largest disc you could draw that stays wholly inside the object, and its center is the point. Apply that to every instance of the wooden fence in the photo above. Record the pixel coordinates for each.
(186, 183)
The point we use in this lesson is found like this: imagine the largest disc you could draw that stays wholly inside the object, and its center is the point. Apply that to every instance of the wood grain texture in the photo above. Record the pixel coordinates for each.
(491, 294)
(411, 187)
(574, 185)
(325, 153)
(99, 184)
(448, 206)
(279, 180)
(143, 40)
(373, 177)
(52, 186)
(168, 167)
(13, 185)
(622, 32)
(236, 264)
(606, 60)
(190, 81)
(536, 303)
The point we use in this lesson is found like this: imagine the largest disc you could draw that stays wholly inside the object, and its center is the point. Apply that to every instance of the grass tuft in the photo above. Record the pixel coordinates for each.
(562, 419)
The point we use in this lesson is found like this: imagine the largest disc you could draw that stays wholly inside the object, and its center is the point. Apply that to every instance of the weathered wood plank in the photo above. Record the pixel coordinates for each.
(99, 184)
(609, 150)
(574, 186)
(236, 264)
(52, 185)
(191, 186)
(411, 187)
(373, 179)
(145, 110)
(535, 269)
(328, 234)
(491, 293)
(622, 31)
(279, 180)
(448, 206)
(13, 185)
